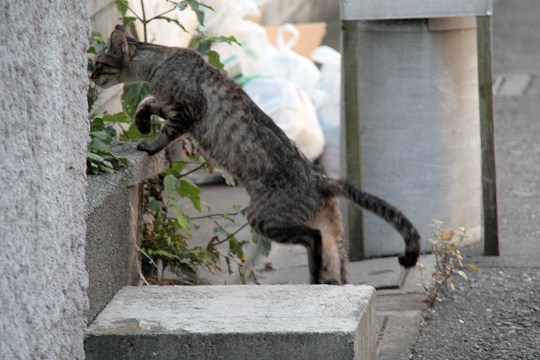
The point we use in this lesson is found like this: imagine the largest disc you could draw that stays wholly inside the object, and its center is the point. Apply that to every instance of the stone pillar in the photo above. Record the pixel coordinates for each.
(43, 139)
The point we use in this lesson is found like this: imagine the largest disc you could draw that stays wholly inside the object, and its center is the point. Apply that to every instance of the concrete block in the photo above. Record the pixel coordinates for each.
(236, 322)
(113, 211)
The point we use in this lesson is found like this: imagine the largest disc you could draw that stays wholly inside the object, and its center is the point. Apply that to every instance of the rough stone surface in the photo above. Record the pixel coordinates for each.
(43, 138)
(236, 322)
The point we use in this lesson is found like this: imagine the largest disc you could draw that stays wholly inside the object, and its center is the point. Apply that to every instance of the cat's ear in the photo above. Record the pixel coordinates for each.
(121, 43)
(118, 42)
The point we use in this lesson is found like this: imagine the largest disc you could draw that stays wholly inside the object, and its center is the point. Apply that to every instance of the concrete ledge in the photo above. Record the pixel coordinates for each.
(113, 211)
(236, 322)
(141, 167)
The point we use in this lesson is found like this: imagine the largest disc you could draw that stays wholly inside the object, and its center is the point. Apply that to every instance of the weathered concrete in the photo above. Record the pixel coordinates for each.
(422, 153)
(43, 138)
(113, 213)
(236, 322)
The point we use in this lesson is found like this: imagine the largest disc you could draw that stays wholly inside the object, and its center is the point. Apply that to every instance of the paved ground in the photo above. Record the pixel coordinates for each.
(496, 314)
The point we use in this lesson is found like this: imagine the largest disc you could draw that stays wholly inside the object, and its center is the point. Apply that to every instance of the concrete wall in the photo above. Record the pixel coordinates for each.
(43, 138)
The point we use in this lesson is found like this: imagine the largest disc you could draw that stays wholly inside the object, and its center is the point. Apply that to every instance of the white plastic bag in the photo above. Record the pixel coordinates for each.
(327, 97)
(291, 109)
(285, 63)
(228, 19)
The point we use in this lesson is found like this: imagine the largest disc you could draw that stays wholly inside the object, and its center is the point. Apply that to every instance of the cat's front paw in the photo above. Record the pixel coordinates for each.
(146, 147)
(142, 120)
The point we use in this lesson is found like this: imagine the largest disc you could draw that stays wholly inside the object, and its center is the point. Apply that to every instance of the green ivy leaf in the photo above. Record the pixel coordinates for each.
(229, 180)
(176, 168)
(235, 247)
(179, 4)
(214, 59)
(102, 136)
(186, 270)
(171, 20)
(122, 6)
(95, 157)
(204, 46)
(182, 220)
(118, 118)
(228, 262)
(197, 6)
(170, 184)
(264, 245)
(131, 134)
(163, 254)
(227, 39)
(154, 205)
(127, 21)
(191, 191)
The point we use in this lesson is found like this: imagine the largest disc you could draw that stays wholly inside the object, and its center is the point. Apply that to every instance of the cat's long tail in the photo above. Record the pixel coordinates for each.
(387, 212)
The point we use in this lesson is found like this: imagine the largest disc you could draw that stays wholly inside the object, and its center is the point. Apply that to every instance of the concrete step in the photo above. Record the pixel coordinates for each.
(236, 322)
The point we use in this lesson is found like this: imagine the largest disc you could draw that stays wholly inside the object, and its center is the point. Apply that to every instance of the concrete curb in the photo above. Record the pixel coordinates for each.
(236, 322)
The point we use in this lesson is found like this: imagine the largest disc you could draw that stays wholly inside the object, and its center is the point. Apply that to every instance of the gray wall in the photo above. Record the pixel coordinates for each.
(43, 138)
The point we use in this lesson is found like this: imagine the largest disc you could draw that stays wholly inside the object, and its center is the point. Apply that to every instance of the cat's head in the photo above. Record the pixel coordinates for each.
(110, 65)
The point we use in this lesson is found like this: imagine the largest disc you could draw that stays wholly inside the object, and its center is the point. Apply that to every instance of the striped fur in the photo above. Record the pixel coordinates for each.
(291, 201)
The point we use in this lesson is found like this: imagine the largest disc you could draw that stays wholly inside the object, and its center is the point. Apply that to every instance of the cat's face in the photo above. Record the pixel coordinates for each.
(106, 71)
(110, 64)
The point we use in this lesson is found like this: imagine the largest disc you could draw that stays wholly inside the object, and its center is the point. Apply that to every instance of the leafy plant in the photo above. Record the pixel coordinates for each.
(448, 262)
(167, 228)
(100, 157)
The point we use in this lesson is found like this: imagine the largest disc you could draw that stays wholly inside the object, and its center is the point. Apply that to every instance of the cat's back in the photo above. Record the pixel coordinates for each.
(176, 65)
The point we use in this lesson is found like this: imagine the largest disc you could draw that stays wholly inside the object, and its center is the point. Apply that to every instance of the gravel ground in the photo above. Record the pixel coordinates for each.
(494, 315)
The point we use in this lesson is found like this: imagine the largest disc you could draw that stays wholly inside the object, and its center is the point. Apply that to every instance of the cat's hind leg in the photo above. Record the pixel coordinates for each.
(334, 268)
(300, 235)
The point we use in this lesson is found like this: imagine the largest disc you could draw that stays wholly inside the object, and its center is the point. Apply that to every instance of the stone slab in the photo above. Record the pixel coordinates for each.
(236, 322)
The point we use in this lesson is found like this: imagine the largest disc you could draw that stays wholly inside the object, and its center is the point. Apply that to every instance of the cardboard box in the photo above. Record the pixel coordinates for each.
(311, 35)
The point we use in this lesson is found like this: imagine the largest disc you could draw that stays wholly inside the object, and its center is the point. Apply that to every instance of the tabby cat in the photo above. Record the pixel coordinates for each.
(291, 200)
